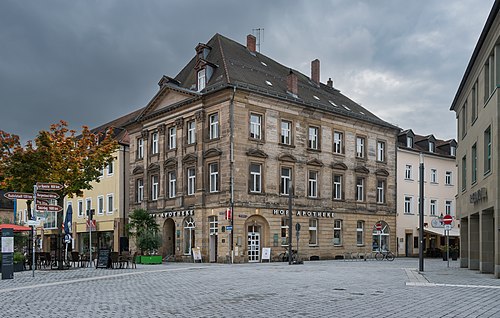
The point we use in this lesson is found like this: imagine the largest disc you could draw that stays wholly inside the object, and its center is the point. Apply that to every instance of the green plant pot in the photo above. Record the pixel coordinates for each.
(151, 259)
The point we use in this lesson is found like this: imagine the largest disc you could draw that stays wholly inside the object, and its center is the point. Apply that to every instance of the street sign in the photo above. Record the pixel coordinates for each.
(229, 228)
(33, 223)
(49, 186)
(378, 226)
(447, 227)
(42, 201)
(18, 196)
(447, 219)
(48, 208)
(91, 224)
(47, 195)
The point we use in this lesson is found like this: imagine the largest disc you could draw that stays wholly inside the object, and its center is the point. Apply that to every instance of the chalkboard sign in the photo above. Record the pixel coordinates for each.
(103, 260)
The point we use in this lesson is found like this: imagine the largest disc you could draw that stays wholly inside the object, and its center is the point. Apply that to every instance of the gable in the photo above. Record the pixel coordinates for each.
(169, 94)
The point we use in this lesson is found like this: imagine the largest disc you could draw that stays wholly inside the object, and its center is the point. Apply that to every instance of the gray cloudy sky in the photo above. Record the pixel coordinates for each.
(88, 62)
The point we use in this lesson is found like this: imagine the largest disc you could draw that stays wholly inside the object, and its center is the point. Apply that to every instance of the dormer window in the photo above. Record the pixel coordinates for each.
(201, 79)
(409, 141)
(431, 146)
(453, 151)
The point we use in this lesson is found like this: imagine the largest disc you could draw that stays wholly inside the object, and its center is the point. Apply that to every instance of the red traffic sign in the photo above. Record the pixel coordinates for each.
(447, 219)
(47, 195)
(378, 227)
(48, 208)
(18, 196)
(48, 186)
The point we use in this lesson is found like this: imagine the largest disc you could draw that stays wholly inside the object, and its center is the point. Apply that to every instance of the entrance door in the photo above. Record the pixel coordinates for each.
(169, 238)
(408, 244)
(213, 248)
(253, 244)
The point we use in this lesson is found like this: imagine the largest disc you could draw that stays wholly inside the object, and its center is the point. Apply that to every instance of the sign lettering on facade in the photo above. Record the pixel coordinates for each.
(171, 214)
(310, 214)
(481, 194)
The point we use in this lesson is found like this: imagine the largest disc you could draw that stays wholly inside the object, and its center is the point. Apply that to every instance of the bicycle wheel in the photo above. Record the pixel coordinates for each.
(390, 256)
(294, 258)
(379, 256)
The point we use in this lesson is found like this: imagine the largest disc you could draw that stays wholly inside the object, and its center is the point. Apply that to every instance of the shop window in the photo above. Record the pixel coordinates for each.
(284, 231)
(189, 227)
(337, 232)
(360, 232)
(313, 231)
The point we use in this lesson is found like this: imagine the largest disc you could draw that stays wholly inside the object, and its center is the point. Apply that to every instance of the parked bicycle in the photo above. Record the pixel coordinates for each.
(388, 255)
(283, 257)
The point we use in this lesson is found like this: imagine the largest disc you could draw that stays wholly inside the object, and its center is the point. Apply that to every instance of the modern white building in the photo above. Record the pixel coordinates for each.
(440, 176)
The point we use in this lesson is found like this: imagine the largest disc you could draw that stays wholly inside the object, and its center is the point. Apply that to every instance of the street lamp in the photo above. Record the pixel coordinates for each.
(421, 216)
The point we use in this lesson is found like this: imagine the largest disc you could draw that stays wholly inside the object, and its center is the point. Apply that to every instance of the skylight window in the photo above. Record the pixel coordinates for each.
(347, 108)
(361, 113)
(263, 63)
(332, 103)
(269, 83)
(316, 97)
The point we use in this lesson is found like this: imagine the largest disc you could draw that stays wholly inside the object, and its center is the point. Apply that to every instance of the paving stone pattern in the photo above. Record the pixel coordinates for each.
(314, 289)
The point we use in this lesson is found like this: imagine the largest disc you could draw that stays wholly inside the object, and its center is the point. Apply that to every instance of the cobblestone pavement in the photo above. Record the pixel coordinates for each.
(314, 289)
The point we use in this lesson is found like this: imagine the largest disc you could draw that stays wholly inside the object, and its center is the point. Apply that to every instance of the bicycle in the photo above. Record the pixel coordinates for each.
(283, 257)
(388, 255)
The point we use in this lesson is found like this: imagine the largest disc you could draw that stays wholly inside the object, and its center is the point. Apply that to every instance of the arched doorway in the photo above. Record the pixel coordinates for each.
(257, 234)
(168, 238)
(381, 235)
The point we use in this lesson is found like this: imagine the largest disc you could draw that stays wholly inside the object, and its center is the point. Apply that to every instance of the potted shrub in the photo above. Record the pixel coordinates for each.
(454, 253)
(18, 261)
(144, 228)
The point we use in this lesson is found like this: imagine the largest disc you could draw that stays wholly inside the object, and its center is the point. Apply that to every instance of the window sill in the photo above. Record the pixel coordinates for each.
(313, 245)
(256, 193)
(286, 145)
(314, 150)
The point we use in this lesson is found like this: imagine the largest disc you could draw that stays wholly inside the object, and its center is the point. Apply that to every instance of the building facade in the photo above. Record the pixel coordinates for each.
(216, 152)
(476, 105)
(440, 176)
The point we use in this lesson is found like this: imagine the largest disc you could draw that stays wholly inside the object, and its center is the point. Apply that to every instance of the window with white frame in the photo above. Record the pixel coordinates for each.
(408, 204)
(447, 178)
(213, 126)
(213, 169)
(447, 207)
(409, 141)
(101, 172)
(431, 146)
(284, 231)
(213, 225)
(100, 205)
(110, 168)
(189, 239)
(201, 79)
(360, 232)
(381, 151)
(433, 175)
(286, 177)
(191, 132)
(154, 143)
(313, 141)
(140, 148)
(313, 231)
(191, 181)
(139, 191)
(408, 172)
(337, 232)
(172, 184)
(88, 205)
(338, 142)
(255, 126)
(172, 137)
(154, 187)
(286, 132)
(453, 151)
(337, 187)
(380, 191)
(255, 178)
(360, 147)
(110, 199)
(80, 208)
(360, 189)
(312, 188)
(433, 207)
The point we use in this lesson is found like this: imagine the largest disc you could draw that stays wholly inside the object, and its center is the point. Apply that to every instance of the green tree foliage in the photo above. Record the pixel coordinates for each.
(143, 226)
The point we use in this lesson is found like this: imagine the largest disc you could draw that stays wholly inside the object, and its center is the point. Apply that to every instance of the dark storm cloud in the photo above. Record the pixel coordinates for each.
(89, 62)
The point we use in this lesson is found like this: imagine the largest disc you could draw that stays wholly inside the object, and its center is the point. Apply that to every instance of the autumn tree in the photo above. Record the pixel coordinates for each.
(58, 155)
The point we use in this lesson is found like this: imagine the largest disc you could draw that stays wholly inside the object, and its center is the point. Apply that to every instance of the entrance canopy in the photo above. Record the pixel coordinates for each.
(15, 227)
(453, 232)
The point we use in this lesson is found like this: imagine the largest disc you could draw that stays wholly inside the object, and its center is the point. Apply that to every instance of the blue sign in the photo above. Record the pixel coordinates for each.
(229, 228)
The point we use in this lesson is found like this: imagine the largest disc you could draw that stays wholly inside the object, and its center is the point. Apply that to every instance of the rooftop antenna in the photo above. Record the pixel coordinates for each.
(256, 33)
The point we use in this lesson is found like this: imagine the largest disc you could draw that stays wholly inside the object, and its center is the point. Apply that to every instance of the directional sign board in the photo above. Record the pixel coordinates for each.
(49, 186)
(47, 195)
(38, 201)
(33, 222)
(48, 208)
(18, 196)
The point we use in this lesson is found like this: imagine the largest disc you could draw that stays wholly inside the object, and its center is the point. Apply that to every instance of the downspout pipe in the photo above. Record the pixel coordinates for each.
(231, 167)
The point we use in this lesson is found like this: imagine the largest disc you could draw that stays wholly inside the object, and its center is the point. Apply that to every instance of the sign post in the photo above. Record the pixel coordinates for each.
(447, 219)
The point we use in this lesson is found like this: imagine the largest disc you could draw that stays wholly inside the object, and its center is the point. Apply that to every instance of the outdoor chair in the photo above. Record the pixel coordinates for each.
(75, 258)
(124, 259)
(115, 263)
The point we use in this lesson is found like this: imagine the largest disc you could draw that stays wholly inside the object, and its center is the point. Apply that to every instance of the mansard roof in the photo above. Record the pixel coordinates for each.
(421, 143)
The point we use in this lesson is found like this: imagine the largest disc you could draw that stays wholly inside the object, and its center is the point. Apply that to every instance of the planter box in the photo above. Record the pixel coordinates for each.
(18, 267)
(151, 259)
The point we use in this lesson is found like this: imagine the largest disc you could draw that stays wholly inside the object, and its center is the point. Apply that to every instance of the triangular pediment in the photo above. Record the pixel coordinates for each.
(189, 158)
(170, 162)
(212, 152)
(361, 169)
(287, 157)
(339, 166)
(256, 153)
(315, 162)
(382, 172)
(138, 170)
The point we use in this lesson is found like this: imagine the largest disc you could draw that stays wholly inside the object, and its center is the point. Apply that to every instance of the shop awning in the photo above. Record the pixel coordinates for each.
(453, 232)
(15, 227)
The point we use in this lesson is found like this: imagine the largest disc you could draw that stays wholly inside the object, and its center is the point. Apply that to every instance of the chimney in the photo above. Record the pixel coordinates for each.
(315, 71)
(291, 83)
(251, 42)
(330, 82)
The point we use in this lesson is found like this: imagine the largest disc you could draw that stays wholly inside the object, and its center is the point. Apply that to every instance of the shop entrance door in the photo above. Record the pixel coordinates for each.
(213, 248)
(409, 244)
(253, 244)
